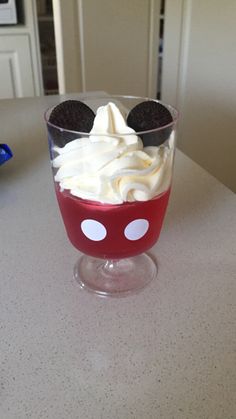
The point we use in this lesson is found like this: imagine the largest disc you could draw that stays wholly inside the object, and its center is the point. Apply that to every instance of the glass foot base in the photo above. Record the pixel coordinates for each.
(115, 277)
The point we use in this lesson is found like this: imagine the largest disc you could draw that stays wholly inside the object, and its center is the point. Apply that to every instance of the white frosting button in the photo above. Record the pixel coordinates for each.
(93, 230)
(136, 229)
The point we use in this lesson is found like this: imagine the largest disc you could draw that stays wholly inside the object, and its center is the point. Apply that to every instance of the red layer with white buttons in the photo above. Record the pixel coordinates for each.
(112, 231)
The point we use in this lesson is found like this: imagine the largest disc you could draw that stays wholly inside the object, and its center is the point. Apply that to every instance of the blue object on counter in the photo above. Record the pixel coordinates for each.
(5, 153)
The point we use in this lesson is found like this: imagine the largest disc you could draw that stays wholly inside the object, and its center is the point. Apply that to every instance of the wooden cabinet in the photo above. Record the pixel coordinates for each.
(20, 66)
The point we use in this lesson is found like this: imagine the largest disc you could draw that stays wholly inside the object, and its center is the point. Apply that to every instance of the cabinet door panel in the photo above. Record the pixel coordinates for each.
(16, 76)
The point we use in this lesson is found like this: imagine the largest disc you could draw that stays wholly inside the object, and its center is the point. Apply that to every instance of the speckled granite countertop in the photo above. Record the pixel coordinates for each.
(168, 352)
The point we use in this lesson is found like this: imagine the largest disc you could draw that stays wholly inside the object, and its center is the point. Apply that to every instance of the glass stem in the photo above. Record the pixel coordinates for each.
(110, 264)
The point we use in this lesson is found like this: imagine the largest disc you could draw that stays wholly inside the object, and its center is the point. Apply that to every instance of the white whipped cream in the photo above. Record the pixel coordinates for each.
(113, 169)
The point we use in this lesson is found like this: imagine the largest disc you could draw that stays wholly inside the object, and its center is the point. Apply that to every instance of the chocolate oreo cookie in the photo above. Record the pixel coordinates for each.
(70, 115)
(150, 115)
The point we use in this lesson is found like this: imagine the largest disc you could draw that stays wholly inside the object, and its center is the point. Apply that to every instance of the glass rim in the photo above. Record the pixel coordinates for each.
(171, 108)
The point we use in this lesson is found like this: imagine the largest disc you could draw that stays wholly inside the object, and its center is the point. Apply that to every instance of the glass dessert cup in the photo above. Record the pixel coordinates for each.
(114, 237)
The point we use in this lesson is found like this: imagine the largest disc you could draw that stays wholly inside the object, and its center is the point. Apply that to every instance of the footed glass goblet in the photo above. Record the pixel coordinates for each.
(113, 189)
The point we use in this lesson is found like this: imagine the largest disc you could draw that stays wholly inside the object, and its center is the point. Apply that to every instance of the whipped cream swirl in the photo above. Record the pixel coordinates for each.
(113, 169)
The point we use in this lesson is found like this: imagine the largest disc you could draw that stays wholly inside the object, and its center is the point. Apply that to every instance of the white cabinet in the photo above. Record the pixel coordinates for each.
(199, 78)
(16, 69)
(20, 68)
(107, 45)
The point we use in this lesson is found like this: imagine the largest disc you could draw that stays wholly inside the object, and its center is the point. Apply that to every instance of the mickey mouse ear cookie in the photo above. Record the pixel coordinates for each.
(70, 115)
(150, 115)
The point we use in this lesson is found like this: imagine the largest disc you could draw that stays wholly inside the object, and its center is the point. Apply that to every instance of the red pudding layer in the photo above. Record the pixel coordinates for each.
(112, 231)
